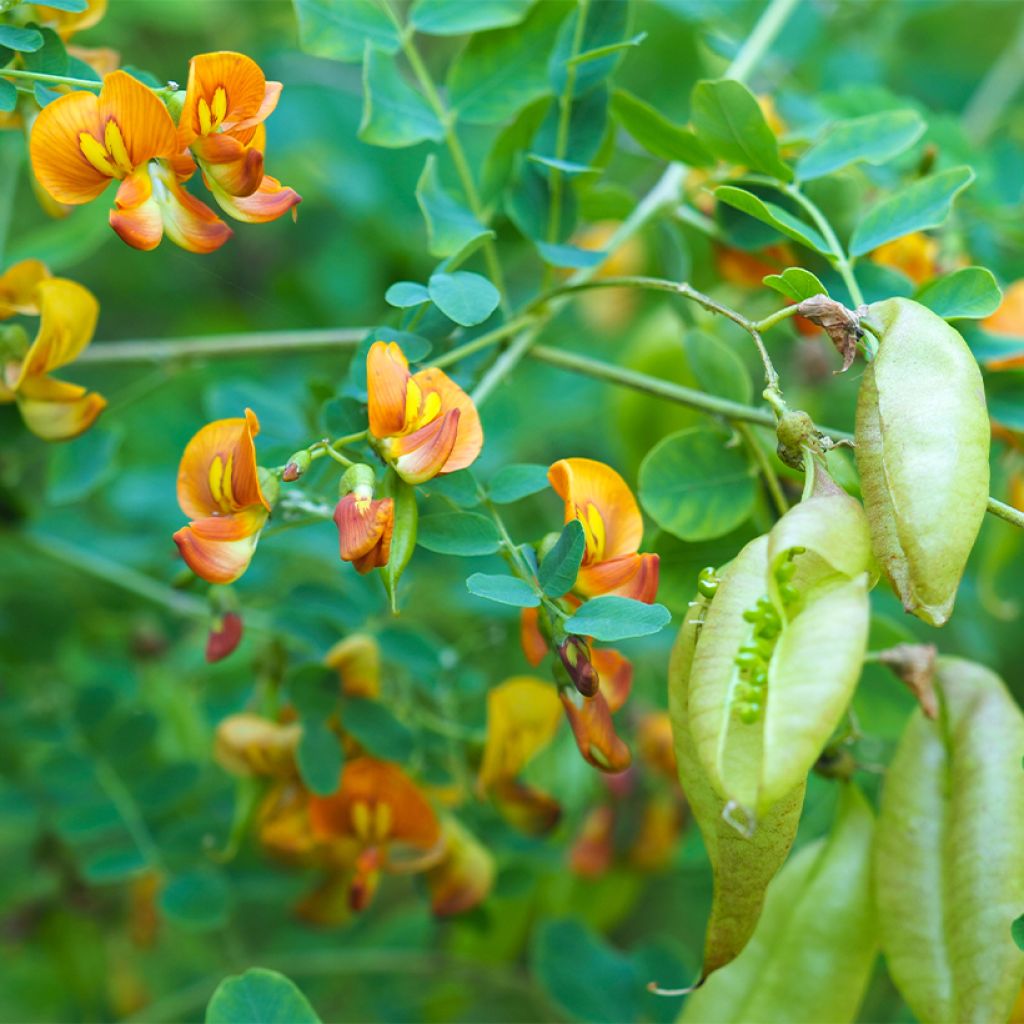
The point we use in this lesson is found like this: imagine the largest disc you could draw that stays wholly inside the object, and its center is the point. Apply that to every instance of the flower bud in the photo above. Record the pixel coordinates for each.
(297, 464)
(269, 485)
(922, 453)
(175, 102)
(364, 529)
(575, 655)
(225, 635)
(358, 479)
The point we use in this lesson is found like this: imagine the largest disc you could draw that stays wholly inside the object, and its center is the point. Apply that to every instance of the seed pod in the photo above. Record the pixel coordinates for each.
(742, 867)
(403, 538)
(922, 452)
(811, 957)
(949, 853)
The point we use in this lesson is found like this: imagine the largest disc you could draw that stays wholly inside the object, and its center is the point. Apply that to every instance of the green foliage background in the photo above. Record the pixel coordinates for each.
(107, 708)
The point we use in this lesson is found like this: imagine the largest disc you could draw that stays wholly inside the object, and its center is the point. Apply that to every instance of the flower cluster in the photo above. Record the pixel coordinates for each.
(81, 142)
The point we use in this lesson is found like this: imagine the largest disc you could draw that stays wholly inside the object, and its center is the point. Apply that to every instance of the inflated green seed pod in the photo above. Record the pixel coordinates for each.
(403, 538)
(742, 867)
(949, 852)
(922, 452)
(811, 956)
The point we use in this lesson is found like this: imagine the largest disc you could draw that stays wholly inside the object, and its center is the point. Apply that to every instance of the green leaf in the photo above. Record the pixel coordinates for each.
(561, 565)
(718, 369)
(24, 40)
(695, 487)
(8, 96)
(197, 900)
(460, 488)
(1017, 931)
(403, 537)
(569, 255)
(948, 879)
(319, 756)
(340, 29)
(114, 866)
(812, 954)
(313, 689)
(457, 17)
(773, 215)
(259, 996)
(656, 133)
(458, 533)
(796, 284)
(508, 146)
(966, 294)
(79, 467)
(586, 977)
(72, 6)
(604, 29)
(404, 294)
(51, 58)
(516, 481)
(588, 127)
(741, 865)
(730, 124)
(925, 204)
(875, 139)
(613, 618)
(394, 113)
(503, 590)
(499, 73)
(451, 228)
(567, 167)
(466, 298)
(377, 729)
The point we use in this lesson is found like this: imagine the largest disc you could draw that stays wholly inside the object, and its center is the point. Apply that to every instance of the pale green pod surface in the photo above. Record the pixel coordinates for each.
(922, 453)
(949, 852)
(728, 750)
(811, 956)
(741, 867)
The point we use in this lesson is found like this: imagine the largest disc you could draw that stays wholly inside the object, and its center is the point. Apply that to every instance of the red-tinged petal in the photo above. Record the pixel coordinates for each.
(235, 168)
(56, 410)
(596, 495)
(470, 437)
(55, 148)
(136, 216)
(271, 96)
(592, 725)
(634, 576)
(422, 455)
(535, 647)
(522, 718)
(218, 473)
(225, 635)
(18, 288)
(364, 531)
(230, 85)
(270, 201)
(525, 807)
(68, 314)
(145, 125)
(387, 383)
(213, 550)
(593, 851)
(644, 585)
(182, 165)
(188, 222)
(616, 673)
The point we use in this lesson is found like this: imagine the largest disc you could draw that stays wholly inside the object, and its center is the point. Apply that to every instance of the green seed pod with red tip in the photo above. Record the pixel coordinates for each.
(922, 453)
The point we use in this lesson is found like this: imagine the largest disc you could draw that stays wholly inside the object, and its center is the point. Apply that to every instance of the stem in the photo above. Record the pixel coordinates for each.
(216, 345)
(771, 478)
(763, 34)
(997, 89)
(504, 364)
(775, 318)
(451, 138)
(38, 76)
(482, 342)
(1007, 512)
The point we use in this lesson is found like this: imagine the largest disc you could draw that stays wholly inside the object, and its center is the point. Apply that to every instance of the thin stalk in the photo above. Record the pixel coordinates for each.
(997, 89)
(761, 37)
(482, 342)
(504, 364)
(764, 464)
(1007, 512)
(776, 318)
(220, 345)
(38, 76)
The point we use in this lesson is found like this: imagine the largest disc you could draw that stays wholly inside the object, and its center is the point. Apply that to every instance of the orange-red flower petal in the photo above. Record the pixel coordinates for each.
(365, 526)
(591, 722)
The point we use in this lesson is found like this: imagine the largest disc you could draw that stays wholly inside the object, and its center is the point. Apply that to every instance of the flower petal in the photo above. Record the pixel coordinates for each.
(236, 169)
(68, 314)
(526, 807)
(356, 659)
(136, 216)
(246, 745)
(588, 487)
(56, 410)
(522, 718)
(464, 876)
(187, 221)
(424, 454)
(591, 722)
(387, 382)
(146, 125)
(219, 549)
(634, 576)
(221, 452)
(535, 647)
(470, 437)
(364, 530)
(18, 286)
(242, 85)
(593, 851)
(55, 149)
(270, 201)
(616, 674)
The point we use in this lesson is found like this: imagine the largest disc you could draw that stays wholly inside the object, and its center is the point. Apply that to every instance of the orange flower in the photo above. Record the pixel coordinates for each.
(53, 409)
(356, 659)
(364, 529)
(915, 255)
(592, 726)
(464, 876)
(81, 142)
(598, 497)
(424, 424)
(67, 23)
(380, 813)
(749, 269)
(219, 490)
(654, 739)
(226, 102)
(1008, 319)
(246, 744)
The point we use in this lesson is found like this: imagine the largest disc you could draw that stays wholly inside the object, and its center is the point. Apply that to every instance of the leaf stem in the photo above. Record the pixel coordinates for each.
(483, 341)
(78, 83)
(764, 464)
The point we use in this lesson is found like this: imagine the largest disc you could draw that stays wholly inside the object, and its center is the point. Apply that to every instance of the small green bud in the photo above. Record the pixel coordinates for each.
(175, 103)
(296, 465)
(357, 477)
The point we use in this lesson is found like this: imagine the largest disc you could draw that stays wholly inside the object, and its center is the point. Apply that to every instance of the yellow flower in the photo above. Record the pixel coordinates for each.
(54, 409)
(915, 255)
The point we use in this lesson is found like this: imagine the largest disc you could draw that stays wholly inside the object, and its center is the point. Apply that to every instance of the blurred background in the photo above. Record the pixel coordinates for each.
(107, 706)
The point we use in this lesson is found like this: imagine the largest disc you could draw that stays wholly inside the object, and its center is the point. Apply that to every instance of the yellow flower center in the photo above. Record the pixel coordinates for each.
(109, 157)
(420, 409)
(371, 822)
(220, 482)
(212, 114)
(593, 531)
